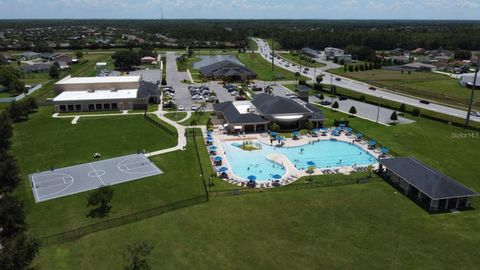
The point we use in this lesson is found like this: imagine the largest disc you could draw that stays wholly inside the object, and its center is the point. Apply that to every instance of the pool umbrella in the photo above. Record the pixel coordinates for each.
(222, 169)
(359, 135)
(276, 176)
(384, 150)
(273, 134)
(212, 148)
(217, 158)
(342, 125)
(252, 177)
(281, 138)
(348, 129)
(209, 137)
(372, 142)
(311, 163)
(209, 132)
(315, 130)
(324, 129)
(296, 133)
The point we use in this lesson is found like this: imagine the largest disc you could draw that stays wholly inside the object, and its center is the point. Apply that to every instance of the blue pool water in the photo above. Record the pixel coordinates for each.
(324, 154)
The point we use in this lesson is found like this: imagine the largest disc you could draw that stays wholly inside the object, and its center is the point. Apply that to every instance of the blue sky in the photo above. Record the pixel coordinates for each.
(242, 9)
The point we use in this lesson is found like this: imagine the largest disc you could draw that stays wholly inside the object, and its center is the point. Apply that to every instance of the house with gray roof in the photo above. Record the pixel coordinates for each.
(228, 71)
(426, 186)
(258, 114)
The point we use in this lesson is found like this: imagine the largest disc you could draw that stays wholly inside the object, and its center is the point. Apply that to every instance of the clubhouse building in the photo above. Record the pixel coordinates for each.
(426, 186)
(259, 114)
(103, 93)
(228, 71)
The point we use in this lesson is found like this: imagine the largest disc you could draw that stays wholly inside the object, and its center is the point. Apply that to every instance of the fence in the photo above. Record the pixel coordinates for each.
(21, 96)
(156, 123)
(299, 186)
(119, 221)
(193, 133)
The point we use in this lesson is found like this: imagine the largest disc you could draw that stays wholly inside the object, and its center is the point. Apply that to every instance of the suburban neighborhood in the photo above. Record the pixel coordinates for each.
(239, 143)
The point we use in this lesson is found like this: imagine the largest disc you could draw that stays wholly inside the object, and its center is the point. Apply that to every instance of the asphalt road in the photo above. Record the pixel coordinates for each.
(361, 87)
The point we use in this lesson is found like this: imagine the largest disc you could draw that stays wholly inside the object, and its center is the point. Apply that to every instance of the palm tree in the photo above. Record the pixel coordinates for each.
(310, 171)
(297, 77)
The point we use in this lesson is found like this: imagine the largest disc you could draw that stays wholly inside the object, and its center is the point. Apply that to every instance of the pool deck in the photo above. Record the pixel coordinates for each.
(292, 173)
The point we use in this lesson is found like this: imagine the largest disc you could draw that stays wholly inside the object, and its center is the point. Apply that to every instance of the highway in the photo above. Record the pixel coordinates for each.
(357, 86)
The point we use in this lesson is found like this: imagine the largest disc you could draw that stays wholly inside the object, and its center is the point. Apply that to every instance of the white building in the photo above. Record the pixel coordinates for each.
(103, 93)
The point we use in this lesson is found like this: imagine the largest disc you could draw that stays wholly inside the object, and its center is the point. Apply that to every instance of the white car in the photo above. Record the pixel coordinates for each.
(197, 97)
(181, 108)
(477, 114)
(194, 108)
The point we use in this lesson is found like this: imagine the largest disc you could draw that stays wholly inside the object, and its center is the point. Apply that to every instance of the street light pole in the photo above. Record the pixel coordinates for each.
(472, 93)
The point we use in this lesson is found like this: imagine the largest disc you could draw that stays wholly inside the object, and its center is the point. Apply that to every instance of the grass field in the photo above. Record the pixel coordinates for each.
(43, 141)
(299, 61)
(263, 68)
(352, 227)
(201, 118)
(428, 85)
(175, 116)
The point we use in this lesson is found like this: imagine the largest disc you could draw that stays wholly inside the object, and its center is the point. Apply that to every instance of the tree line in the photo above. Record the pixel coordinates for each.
(17, 247)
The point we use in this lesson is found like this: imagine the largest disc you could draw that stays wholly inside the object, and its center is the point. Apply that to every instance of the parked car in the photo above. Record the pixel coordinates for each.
(477, 114)
(239, 97)
(319, 96)
(342, 98)
(194, 108)
(372, 88)
(256, 89)
(423, 101)
(180, 108)
(197, 97)
(305, 72)
(338, 79)
(325, 102)
(234, 93)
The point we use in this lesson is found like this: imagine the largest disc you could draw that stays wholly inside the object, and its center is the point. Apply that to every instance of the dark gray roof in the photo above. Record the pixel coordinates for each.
(429, 181)
(317, 113)
(36, 67)
(226, 68)
(147, 89)
(233, 116)
(268, 104)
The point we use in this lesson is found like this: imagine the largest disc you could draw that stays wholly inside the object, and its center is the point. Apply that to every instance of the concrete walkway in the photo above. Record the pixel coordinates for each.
(75, 120)
(57, 115)
(189, 114)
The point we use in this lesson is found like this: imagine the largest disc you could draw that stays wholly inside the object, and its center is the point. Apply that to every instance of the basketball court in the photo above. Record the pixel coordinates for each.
(75, 179)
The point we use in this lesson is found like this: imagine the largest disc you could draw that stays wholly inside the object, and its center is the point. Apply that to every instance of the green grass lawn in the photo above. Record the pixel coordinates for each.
(432, 86)
(350, 227)
(43, 141)
(299, 61)
(263, 68)
(175, 116)
(200, 117)
(252, 45)
(187, 64)
(273, 44)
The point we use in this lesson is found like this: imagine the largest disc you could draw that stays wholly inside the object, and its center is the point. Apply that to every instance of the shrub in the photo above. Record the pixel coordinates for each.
(362, 98)
(317, 87)
(394, 116)
(416, 112)
(402, 107)
(275, 127)
(353, 110)
(302, 82)
(335, 105)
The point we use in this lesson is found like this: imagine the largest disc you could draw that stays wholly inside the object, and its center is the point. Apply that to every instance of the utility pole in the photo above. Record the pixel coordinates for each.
(472, 93)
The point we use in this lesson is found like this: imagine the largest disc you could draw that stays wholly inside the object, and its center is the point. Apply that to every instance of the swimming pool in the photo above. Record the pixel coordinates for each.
(325, 154)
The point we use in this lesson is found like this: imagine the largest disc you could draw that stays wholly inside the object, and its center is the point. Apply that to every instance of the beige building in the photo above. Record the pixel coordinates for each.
(103, 93)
